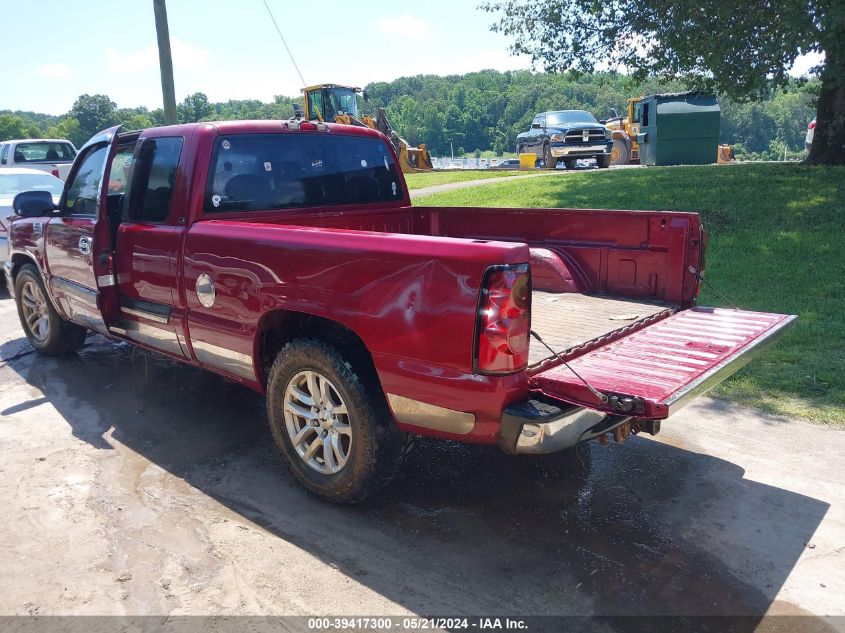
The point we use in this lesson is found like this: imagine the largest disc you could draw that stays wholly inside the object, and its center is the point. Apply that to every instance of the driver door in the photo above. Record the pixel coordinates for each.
(75, 240)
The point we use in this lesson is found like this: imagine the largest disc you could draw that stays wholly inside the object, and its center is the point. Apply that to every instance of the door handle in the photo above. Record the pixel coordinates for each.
(85, 245)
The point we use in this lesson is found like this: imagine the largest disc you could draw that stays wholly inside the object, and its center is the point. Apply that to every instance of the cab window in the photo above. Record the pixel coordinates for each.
(84, 189)
(156, 164)
(257, 172)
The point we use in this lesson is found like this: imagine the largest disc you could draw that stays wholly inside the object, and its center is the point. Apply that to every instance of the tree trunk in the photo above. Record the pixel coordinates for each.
(829, 136)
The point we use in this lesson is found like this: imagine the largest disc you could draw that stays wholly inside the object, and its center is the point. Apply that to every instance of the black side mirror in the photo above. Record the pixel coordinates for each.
(536, 126)
(603, 121)
(33, 204)
(366, 95)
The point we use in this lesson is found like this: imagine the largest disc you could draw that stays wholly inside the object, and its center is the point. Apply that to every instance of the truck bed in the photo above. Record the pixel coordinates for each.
(569, 320)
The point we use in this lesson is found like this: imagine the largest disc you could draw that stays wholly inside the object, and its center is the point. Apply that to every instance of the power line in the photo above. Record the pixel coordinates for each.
(279, 31)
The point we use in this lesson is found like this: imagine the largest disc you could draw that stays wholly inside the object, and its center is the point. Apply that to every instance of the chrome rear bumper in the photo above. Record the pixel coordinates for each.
(534, 427)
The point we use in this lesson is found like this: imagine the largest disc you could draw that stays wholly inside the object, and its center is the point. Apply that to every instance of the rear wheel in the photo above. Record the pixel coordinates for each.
(548, 160)
(331, 423)
(620, 154)
(46, 331)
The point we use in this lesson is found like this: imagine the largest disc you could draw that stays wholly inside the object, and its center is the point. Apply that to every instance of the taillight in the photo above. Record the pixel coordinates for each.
(504, 320)
(812, 125)
(55, 172)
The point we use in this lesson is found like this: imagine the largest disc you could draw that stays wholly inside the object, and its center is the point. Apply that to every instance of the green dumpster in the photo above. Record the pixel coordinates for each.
(678, 129)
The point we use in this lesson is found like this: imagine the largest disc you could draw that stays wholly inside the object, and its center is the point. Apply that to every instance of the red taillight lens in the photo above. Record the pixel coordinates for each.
(55, 172)
(812, 125)
(504, 320)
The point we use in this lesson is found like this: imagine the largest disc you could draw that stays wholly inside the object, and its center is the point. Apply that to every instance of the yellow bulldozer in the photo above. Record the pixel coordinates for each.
(624, 130)
(339, 104)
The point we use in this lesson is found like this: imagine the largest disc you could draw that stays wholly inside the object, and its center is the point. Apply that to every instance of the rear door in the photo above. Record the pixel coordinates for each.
(147, 240)
(74, 240)
(656, 370)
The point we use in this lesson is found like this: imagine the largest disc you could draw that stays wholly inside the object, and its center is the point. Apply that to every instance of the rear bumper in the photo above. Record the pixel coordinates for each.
(534, 427)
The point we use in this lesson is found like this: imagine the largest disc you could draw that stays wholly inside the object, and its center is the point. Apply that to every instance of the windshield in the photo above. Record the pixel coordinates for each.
(252, 172)
(43, 152)
(569, 116)
(13, 184)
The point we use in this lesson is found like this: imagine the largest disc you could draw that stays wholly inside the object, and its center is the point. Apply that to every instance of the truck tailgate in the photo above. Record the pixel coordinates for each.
(653, 372)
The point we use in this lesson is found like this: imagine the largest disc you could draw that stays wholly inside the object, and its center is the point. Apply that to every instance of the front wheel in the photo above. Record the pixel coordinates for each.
(46, 331)
(331, 423)
(548, 160)
(603, 161)
(620, 153)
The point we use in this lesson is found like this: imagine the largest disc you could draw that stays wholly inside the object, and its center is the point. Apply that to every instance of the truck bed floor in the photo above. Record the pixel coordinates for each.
(568, 320)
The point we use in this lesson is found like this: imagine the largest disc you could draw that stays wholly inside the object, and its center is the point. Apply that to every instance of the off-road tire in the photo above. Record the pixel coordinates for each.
(621, 153)
(62, 337)
(378, 448)
(549, 161)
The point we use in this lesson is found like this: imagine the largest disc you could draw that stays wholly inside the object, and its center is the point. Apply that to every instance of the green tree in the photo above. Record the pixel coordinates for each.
(12, 127)
(68, 128)
(94, 113)
(194, 108)
(737, 47)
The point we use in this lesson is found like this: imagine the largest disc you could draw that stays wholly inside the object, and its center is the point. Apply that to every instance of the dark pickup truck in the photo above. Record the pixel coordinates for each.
(565, 136)
(287, 255)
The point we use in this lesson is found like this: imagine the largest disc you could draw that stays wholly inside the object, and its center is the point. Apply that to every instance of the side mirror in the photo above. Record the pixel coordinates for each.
(33, 204)
(603, 121)
(535, 126)
(366, 95)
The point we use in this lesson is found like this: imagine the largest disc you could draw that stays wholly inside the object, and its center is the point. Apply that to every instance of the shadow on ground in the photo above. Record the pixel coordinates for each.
(465, 529)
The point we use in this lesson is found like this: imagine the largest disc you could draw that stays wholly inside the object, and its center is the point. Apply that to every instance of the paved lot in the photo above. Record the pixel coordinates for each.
(132, 485)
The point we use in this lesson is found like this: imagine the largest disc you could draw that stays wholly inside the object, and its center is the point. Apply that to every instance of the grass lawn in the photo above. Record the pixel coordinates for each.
(430, 178)
(777, 244)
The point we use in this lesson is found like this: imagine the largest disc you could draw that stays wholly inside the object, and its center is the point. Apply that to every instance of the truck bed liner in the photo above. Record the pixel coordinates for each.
(568, 320)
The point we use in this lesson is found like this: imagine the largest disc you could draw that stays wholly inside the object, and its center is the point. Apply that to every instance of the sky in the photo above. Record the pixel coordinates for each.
(57, 50)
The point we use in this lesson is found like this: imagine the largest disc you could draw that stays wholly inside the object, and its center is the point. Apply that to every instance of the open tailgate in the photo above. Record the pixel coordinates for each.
(655, 371)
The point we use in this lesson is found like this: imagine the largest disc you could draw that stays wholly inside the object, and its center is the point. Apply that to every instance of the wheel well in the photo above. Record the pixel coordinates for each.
(19, 260)
(282, 326)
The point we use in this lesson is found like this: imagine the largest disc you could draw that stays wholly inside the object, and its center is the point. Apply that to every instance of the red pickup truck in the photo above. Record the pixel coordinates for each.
(286, 255)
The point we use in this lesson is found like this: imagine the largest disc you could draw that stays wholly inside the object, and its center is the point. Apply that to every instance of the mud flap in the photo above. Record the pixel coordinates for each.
(655, 371)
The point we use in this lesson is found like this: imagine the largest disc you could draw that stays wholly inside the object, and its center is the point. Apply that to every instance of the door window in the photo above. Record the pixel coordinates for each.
(84, 190)
(150, 193)
(4, 154)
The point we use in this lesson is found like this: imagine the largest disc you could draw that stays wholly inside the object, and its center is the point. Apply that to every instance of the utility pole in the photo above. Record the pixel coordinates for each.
(165, 62)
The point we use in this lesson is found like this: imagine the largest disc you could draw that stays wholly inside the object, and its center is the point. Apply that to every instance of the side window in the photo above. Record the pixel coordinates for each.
(151, 191)
(81, 198)
(4, 154)
(119, 172)
(636, 117)
(542, 122)
(645, 115)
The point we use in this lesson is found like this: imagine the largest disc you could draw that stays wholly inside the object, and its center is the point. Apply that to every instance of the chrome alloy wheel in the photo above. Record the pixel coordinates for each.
(317, 422)
(34, 305)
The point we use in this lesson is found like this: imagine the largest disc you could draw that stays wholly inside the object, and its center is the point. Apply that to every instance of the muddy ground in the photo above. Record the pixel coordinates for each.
(135, 485)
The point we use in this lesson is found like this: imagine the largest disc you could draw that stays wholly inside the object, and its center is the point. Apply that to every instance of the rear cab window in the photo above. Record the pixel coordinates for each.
(44, 152)
(260, 172)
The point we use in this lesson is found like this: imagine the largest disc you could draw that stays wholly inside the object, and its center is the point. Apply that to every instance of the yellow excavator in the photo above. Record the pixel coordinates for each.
(339, 104)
